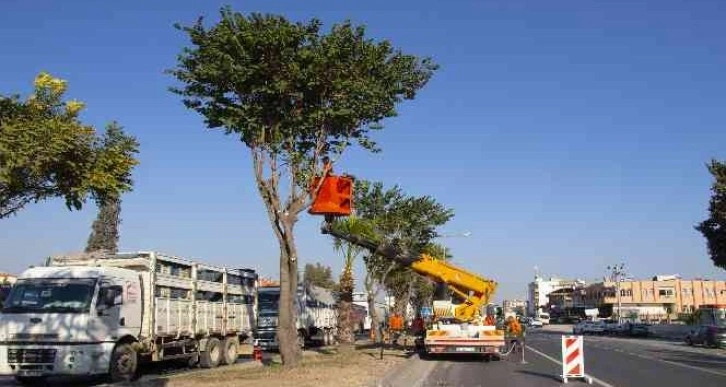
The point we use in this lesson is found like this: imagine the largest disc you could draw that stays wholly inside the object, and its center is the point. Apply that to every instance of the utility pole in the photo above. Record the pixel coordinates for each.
(616, 274)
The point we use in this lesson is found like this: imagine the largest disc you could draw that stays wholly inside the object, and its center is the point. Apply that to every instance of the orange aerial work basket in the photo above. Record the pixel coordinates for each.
(335, 197)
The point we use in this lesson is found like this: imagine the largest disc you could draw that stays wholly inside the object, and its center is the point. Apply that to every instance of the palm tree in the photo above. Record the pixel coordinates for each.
(351, 226)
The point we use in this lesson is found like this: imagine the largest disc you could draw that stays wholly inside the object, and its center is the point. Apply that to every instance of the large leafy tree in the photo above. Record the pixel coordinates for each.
(47, 152)
(714, 228)
(293, 94)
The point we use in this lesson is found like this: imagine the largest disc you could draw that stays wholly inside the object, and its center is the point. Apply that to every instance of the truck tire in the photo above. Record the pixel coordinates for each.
(326, 338)
(212, 356)
(124, 363)
(300, 339)
(230, 351)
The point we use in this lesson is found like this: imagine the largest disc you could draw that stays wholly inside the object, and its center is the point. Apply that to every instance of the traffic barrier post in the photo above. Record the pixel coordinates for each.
(573, 359)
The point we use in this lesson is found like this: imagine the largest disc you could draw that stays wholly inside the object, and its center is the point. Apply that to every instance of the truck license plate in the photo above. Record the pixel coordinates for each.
(466, 349)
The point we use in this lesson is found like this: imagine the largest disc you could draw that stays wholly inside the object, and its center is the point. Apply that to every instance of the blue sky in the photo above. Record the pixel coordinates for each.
(565, 134)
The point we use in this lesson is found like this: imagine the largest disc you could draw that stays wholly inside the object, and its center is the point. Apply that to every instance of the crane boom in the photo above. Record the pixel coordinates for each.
(473, 289)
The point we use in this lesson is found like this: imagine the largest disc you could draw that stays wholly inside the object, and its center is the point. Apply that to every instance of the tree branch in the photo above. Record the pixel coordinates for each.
(266, 191)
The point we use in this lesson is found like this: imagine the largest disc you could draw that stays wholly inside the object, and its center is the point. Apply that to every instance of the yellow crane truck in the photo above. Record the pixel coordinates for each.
(456, 327)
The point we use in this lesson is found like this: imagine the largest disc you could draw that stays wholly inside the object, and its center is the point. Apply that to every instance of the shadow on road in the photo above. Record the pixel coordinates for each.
(544, 375)
(461, 358)
(702, 360)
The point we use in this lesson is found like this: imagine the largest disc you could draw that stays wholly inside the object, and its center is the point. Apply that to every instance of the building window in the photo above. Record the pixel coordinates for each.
(665, 292)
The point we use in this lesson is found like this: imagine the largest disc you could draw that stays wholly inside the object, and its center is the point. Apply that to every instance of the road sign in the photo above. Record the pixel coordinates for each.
(573, 359)
(427, 311)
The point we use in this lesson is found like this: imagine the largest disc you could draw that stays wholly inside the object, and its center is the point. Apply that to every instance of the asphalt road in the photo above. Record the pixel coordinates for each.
(609, 361)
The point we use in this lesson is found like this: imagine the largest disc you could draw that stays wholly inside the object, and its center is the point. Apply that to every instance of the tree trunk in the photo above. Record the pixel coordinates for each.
(287, 333)
(283, 222)
(372, 311)
(345, 320)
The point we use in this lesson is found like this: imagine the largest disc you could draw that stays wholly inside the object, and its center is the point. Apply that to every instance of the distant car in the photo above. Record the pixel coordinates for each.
(535, 324)
(581, 327)
(596, 328)
(637, 330)
(708, 336)
(612, 327)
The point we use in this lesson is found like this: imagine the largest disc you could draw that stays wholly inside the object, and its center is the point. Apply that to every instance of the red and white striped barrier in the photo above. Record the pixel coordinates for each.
(573, 359)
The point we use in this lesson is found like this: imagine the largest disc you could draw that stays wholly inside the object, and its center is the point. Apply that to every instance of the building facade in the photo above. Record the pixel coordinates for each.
(518, 307)
(7, 278)
(662, 297)
(540, 288)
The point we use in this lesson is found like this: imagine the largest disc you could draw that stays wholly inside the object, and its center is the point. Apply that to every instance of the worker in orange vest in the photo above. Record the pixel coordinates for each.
(395, 323)
(417, 326)
(513, 326)
(490, 320)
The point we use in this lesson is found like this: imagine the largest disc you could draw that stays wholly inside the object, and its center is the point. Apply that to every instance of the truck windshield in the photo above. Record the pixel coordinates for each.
(268, 303)
(50, 296)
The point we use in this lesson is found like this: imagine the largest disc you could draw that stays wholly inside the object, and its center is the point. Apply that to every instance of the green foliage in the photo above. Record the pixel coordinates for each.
(714, 228)
(105, 229)
(354, 226)
(409, 221)
(47, 152)
(319, 275)
(292, 90)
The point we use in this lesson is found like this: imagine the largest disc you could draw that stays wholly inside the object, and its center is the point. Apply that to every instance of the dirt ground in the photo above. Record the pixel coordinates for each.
(361, 367)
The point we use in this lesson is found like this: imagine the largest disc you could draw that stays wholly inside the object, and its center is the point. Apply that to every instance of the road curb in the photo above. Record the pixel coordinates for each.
(411, 373)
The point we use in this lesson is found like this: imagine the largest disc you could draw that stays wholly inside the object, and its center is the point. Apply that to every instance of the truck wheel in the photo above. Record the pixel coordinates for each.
(211, 357)
(326, 338)
(124, 362)
(300, 339)
(230, 352)
(30, 380)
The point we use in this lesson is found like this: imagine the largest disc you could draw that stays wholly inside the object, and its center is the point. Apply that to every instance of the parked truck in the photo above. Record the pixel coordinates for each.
(316, 320)
(106, 314)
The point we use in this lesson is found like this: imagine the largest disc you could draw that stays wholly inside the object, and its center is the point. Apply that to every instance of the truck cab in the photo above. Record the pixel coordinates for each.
(68, 320)
(316, 318)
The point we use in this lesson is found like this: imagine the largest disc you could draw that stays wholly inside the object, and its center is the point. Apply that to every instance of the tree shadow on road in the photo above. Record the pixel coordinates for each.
(703, 360)
(539, 374)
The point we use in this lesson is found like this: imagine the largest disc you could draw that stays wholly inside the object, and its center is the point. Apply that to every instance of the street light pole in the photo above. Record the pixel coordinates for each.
(617, 272)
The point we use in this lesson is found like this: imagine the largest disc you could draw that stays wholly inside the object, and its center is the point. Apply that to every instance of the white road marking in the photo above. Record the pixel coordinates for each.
(690, 367)
(552, 359)
(655, 358)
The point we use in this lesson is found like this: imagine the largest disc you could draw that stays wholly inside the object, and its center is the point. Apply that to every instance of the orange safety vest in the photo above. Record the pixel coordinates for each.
(490, 320)
(396, 322)
(515, 328)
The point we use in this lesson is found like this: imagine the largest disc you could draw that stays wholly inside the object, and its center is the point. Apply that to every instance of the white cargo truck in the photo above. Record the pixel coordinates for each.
(315, 310)
(106, 314)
